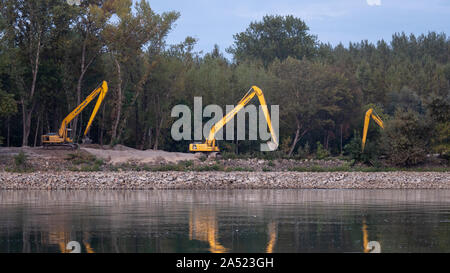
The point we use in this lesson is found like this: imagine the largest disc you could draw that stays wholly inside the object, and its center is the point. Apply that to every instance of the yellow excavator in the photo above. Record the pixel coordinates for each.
(370, 114)
(62, 137)
(209, 146)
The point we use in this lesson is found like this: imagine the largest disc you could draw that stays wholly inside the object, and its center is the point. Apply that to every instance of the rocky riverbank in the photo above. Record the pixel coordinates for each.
(132, 180)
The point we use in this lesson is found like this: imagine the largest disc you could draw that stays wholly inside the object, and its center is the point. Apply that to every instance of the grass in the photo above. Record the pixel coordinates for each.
(84, 162)
(21, 164)
(366, 169)
(238, 169)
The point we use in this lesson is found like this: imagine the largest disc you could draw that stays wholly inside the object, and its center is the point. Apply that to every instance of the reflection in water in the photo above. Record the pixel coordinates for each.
(365, 237)
(272, 237)
(203, 226)
(225, 221)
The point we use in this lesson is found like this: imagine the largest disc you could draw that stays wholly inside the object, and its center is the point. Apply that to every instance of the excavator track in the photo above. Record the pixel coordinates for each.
(72, 146)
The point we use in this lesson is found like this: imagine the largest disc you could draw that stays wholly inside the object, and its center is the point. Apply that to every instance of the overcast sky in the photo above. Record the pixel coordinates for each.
(215, 21)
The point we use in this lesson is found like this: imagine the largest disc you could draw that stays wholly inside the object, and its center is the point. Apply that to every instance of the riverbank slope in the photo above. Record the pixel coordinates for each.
(132, 180)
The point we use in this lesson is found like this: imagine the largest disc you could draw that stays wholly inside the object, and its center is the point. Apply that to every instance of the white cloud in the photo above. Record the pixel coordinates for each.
(374, 2)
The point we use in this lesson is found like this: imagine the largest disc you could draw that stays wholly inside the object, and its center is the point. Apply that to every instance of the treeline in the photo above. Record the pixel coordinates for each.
(53, 55)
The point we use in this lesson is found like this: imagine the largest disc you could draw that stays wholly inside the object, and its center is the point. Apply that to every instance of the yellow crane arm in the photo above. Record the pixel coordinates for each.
(102, 90)
(376, 118)
(241, 104)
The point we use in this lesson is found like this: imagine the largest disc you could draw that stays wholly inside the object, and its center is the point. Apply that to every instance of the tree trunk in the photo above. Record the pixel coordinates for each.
(27, 113)
(143, 138)
(37, 130)
(158, 132)
(294, 143)
(84, 67)
(150, 137)
(297, 138)
(26, 123)
(102, 126)
(119, 104)
(8, 135)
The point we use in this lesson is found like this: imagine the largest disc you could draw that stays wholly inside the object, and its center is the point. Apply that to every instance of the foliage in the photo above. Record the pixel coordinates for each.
(439, 113)
(354, 150)
(20, 159)
(406, 138)
(21, 164)
(276, 37)
(8, 105)
(321, 153)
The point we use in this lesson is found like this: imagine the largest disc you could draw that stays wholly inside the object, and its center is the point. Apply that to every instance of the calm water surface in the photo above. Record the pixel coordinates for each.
(225, 221)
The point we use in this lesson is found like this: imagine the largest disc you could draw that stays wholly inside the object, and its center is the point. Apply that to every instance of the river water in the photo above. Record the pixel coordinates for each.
(226, 221)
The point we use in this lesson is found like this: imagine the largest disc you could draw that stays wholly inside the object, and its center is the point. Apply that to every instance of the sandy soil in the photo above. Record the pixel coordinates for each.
(122, 154)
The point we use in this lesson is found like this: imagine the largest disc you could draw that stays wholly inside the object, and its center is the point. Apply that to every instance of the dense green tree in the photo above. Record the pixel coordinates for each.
(275, 37)
(406, 138)
(27, 31)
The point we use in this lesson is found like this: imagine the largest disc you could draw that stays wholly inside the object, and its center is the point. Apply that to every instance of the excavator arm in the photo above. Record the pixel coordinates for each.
(376, 118)
(101, 91)
(210, 144)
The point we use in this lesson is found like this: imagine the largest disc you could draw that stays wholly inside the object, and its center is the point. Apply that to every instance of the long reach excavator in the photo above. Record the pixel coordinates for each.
(370, 114)
(62, 137)
(209, 146)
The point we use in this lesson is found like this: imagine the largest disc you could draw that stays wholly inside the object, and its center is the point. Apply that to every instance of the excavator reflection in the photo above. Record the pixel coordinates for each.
(203, 226)
(372, 246)
(365, 237)
(62, 238)
(273, 234)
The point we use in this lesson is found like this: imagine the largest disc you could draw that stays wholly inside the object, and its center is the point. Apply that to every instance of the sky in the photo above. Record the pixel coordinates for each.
(333, 21)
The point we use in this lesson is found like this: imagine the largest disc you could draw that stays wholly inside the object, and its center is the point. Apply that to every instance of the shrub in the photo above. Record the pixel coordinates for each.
(321, 153)
(354, 150)
(303, 151)
(20, 159)
(406, 138)
(20, 164)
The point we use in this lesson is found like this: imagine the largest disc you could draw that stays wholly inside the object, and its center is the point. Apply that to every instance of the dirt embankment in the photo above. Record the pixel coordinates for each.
(59, 159)
(126, 158)
(122, 154)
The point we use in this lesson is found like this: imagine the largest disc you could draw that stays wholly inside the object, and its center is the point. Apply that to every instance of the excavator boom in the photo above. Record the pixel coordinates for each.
(376, 118)
(210, 144)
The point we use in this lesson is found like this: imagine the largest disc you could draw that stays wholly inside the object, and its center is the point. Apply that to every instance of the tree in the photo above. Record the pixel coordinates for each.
(276, 37)
(126, 39)
(438, 109)
(28, 24)
(90, 23)
(406, 138)
(314, 96)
